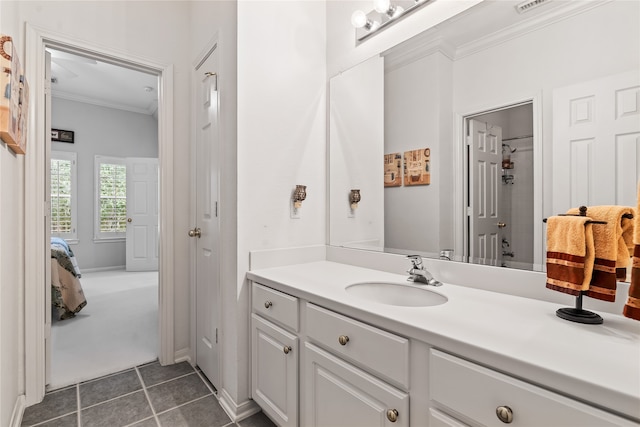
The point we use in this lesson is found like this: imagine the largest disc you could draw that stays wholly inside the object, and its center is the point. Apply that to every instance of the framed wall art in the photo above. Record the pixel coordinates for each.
(417, 167)
(62, 135)
(392, 170)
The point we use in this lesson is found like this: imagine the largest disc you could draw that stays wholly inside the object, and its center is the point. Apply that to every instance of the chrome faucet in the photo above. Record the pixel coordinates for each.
(418, 274)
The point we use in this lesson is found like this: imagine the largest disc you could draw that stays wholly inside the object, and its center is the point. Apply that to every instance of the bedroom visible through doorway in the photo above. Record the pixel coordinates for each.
(104, 121)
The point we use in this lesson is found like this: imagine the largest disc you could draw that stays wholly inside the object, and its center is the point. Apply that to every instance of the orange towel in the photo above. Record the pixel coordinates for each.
(632, 307)
(570, 254)
(611, 251)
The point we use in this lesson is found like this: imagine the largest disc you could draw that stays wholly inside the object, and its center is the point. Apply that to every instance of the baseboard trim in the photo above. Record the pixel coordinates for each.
(182, 355)
(18, 411)
(99, 269)
(234, 411)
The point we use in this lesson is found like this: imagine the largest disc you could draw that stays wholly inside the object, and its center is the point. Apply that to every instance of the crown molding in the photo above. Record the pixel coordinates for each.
(100, 103)
(416, 48)
(565, 10)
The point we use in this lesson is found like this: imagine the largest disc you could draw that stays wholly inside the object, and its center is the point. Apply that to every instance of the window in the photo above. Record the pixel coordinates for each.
(111, 198)
(63, 195)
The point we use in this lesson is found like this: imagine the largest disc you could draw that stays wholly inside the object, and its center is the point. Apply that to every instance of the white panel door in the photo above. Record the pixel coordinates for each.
(142, 214)
(207, 224)
(485, 187)
(596, 142)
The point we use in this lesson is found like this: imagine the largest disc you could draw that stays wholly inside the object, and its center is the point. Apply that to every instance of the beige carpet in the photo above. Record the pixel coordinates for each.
(116, 330)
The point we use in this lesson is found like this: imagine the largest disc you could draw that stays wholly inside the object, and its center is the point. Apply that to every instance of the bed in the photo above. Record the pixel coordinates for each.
(67, 296)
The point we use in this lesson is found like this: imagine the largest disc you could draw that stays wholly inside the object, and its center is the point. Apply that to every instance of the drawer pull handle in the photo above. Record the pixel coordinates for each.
(287, 349)
(343, 339)
(392, 415)
(268, 304)
(505, 414)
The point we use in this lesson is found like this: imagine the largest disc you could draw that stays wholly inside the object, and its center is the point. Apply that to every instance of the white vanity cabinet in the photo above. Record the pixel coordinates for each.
(481, 396)
(347, 381)
(275, 354)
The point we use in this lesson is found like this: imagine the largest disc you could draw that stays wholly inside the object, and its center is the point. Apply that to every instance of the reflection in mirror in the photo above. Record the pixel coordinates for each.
(526, 74)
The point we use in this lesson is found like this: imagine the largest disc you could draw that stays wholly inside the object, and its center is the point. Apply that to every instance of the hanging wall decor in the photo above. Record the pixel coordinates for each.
(392, 170)
(417, 167)
(14, 93)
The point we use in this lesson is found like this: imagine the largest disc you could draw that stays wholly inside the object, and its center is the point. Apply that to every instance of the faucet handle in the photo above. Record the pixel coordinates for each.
(416, 260)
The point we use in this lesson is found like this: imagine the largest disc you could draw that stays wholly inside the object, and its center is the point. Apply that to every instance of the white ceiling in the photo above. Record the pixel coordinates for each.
(82, 79)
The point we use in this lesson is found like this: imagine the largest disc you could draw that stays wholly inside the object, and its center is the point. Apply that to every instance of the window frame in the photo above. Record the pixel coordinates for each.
(98, 235)
(72, 156)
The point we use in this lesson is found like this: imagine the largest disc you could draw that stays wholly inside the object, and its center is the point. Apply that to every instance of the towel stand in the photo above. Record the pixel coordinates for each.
(578, 314)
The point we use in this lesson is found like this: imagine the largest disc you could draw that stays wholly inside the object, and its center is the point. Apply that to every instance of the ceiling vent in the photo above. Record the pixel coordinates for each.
(530, 4)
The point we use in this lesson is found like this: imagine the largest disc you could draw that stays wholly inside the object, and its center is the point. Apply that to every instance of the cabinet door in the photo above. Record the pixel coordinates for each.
(274, 377)
(338, 394)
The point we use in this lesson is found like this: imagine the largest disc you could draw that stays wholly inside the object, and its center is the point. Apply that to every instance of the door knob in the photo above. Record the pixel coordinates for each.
(501, 225)
(196, 232)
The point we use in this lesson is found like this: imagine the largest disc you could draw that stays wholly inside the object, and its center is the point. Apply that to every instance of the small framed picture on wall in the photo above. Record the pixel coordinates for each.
(62, 135)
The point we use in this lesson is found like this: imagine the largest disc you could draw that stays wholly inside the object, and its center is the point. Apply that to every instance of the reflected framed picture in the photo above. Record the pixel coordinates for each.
(417, 167)
(62, 135)
(392, 170)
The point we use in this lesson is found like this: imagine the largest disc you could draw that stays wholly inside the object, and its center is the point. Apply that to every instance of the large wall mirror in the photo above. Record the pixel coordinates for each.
(463, 138)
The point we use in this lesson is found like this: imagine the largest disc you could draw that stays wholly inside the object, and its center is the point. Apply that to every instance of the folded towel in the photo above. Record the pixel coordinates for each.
(611, 251)
(632, 307)
(570, 254)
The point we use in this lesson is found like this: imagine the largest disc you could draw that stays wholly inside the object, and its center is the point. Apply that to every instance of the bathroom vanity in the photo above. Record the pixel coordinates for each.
(328, 353)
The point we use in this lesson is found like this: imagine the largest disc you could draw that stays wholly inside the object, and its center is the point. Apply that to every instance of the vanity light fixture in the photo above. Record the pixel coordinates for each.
(354, 198)
(385, 6)
(384, 13)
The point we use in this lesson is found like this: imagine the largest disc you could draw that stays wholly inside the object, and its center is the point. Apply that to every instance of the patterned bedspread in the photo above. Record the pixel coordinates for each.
(67, 295)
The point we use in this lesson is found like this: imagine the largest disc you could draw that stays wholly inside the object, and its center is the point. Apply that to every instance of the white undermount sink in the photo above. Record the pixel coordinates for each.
(396, 294)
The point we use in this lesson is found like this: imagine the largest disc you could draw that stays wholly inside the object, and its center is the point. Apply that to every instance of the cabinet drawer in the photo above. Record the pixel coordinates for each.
(474, 393)
(366, 346)
(275, 305)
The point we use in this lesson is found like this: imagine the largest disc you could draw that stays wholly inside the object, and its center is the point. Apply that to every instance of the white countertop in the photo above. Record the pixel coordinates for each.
(519, 336)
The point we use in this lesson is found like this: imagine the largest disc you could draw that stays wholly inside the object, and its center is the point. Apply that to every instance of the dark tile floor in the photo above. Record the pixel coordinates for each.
(148, 395)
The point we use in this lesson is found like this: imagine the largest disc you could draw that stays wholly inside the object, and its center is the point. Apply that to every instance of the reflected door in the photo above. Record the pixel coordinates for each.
(596, 142)
(485, 187)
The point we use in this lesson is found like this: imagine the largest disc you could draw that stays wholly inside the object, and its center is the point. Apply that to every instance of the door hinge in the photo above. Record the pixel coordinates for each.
(216, 335)
(469, 211)
(216, 209)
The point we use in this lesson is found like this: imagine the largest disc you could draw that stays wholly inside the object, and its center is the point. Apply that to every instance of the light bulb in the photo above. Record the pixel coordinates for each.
(381, 6)
(358, 19)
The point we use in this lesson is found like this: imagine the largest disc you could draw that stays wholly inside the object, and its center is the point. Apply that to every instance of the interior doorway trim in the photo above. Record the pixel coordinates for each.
(36, 210)
(461, 170)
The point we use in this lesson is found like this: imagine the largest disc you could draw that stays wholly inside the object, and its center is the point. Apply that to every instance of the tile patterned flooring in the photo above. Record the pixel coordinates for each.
(148, 395)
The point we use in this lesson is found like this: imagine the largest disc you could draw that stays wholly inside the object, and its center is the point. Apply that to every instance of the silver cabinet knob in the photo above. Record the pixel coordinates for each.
(392, 415)
(343, 339)
(196, 232)
(287, 349)
(505, 414)
(268, 304)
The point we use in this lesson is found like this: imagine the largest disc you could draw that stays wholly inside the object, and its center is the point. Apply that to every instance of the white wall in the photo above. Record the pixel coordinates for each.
(133, 28)
(107, 132)
(281, 136)
(11, 253)
(416, 95)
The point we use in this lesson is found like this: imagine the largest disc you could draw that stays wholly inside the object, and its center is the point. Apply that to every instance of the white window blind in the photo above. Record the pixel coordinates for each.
(111, 198)
(63, 195)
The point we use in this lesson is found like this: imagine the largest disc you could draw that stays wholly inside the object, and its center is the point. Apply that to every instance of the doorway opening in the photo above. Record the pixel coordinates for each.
(499, 189)
(103, 195)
